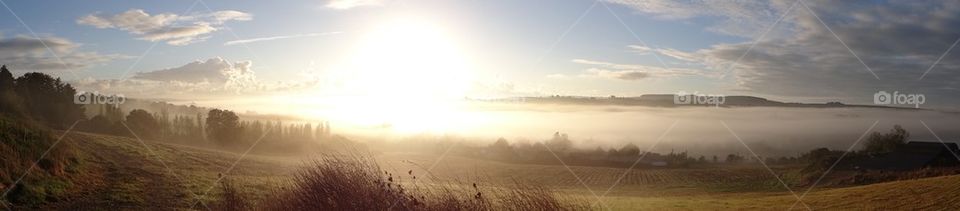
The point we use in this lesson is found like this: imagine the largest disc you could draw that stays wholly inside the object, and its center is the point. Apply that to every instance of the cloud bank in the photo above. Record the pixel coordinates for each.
(803, 57)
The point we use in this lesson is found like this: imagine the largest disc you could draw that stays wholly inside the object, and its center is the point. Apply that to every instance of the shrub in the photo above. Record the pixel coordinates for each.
(882, 143)
(353, 181)
(231, 199)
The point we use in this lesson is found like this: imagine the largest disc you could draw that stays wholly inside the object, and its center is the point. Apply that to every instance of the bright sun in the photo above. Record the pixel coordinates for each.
(405, 73)
(410, 58)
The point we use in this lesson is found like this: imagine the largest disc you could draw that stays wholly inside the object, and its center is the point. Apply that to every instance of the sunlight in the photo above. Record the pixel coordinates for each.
(411, 58)
(404, 73)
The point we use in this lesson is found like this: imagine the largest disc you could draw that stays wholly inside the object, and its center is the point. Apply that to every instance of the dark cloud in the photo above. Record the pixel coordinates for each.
(31, 54)
(897, 40)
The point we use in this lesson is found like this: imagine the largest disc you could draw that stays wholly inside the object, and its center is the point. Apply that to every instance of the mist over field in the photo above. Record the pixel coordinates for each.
(768, 131)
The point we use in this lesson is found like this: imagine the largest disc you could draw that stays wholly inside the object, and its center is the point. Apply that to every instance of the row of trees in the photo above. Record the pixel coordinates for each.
(560, 146)
(219, 127)
(40, 98)
(548, 152)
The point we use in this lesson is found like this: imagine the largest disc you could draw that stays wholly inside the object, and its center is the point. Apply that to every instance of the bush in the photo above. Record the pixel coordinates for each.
(231, 199)
(355, 182)
(883, 143)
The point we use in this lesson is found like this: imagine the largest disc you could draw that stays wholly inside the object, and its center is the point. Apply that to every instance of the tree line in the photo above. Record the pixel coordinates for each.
(561, 147)
(218, 127)
(40, 98)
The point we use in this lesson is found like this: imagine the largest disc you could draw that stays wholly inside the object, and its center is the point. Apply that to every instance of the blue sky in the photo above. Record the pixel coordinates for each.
(535, 47)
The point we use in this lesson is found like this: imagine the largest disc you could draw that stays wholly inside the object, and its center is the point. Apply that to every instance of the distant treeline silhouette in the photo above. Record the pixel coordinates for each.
(561, 148)
(38, 97)
(218, 127)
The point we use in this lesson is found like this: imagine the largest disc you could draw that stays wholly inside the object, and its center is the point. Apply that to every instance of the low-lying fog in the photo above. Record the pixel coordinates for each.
(767, 131)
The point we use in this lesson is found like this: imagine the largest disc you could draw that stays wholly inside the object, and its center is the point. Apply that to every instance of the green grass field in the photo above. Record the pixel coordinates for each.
(120, 172)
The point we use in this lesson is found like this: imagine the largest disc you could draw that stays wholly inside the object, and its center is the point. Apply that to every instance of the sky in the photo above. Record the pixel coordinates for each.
(789, 50)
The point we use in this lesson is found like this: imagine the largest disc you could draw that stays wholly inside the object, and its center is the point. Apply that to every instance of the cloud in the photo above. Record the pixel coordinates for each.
(217, 71)
(211, 78)
(28, 53)
(628, 72)
(259, 39)
(167, 27)
(738, 18)
(629, 75)
(898, 40)
(349, 4)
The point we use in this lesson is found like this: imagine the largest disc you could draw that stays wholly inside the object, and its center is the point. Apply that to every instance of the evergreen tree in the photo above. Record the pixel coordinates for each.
(50, 100)
(6, 79)
(9, 102)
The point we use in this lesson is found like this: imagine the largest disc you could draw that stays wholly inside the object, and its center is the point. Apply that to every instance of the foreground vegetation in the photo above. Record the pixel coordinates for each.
(351, 181)
(33, 171)
(124, 173)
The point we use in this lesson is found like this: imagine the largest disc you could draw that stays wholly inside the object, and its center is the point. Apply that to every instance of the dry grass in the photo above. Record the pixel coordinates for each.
(231, 199)
(354, 181)
(21, 145)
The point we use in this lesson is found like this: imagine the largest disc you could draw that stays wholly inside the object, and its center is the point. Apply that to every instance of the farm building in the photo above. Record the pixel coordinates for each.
(914, 155)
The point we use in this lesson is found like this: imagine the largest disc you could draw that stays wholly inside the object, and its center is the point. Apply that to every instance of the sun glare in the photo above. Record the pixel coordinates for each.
(411, 58)
(405, 73)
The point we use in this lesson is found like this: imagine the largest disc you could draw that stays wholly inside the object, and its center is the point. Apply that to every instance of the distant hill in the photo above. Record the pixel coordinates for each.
(670, 100)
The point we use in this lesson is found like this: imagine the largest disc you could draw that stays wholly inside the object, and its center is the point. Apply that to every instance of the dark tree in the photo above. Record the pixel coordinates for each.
(6, 79)
(143, 124)
(98, 124)
(734, 158)
(223, 127)
(9, 102)
(629, 150)
(883, 143)
(50, 100)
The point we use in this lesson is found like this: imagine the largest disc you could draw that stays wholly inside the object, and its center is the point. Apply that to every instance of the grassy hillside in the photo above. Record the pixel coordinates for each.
(25, 147)
(751, 188)
(124, 172)
(121, 172)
